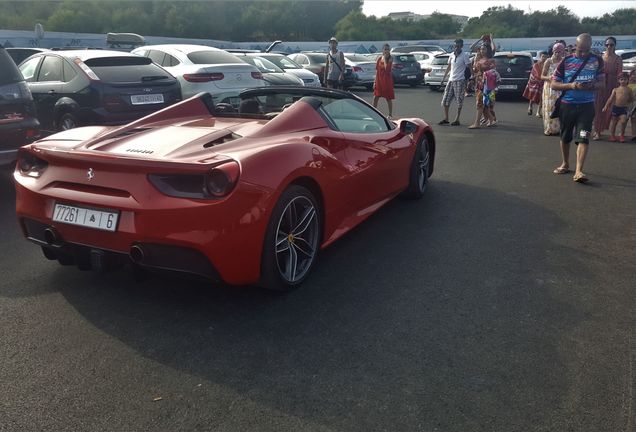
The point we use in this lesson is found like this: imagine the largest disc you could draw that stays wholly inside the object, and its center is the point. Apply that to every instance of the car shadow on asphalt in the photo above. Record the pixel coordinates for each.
(441, 313)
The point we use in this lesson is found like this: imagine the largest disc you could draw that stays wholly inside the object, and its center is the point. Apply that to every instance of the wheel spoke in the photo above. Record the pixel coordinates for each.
(282, 244)
(306, 220)
(292, 262)
(303, 246)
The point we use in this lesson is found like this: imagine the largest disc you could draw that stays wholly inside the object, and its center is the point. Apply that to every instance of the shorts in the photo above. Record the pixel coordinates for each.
(455, 89)
(619, 111)
(576, 119)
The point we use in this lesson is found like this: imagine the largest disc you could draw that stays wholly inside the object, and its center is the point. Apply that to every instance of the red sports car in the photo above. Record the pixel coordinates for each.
(247, 192)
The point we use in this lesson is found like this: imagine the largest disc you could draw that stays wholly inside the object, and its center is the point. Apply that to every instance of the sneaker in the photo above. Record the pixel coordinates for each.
(612, 138)
(621, 138)
(443, 122)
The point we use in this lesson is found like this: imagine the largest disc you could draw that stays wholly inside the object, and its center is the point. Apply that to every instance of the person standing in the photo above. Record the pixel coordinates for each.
(482, 65)
(458, 61)
(620, 102)
(551, 126)
(534, 89)
(579, 76)
(335, 66)
(383, 84)
(613, 68)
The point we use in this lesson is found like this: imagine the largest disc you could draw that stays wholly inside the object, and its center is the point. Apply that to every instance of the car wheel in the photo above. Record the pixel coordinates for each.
(419, 171)
(67, 121)
(292, 240)
(433, 88)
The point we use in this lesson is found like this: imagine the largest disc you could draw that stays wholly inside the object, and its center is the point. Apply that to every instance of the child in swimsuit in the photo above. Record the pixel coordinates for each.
(620, 100)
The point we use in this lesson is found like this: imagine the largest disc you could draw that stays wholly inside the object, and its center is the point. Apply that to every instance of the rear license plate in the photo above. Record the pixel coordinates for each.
(99, 219)
(146, 99)
(410, 77)
(508, 87)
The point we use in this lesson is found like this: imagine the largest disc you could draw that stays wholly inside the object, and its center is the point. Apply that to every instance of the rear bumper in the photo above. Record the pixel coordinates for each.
(218, 240)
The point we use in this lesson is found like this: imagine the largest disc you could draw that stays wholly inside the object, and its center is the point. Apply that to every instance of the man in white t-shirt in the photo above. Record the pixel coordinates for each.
(458, 61)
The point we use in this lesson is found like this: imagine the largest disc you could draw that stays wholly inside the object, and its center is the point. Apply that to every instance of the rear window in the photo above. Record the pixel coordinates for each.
(127, 69)
(404, 58)
(213, 57)
(9, 72)
(514, 61)
(440, 60)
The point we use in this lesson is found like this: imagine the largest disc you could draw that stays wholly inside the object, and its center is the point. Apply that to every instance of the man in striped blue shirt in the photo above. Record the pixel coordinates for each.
(577, 104)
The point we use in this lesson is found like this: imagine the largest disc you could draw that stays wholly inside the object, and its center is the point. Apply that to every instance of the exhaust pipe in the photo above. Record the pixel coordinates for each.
(137, 254)
(50, 237)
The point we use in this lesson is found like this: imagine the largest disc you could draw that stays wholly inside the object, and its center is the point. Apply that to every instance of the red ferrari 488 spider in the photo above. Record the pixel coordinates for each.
(246, 192)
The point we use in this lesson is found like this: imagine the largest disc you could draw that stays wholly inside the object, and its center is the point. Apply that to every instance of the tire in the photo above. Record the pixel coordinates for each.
(67, 121)
(419, 171)
(292, 240)
(433, 88)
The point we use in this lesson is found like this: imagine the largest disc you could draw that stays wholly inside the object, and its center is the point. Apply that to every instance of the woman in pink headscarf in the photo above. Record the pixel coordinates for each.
(551, 126)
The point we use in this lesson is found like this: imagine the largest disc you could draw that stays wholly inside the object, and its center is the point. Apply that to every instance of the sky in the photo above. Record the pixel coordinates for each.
(589, 8)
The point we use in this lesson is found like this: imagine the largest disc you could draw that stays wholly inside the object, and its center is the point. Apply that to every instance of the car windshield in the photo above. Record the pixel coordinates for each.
(284, 62)
(213, 57)
(442, 60)
(514, 61)
(264, 65)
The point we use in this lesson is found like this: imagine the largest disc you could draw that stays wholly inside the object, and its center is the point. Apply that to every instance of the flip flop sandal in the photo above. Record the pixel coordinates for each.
(442, 122)
(561, 170)
(581, 178)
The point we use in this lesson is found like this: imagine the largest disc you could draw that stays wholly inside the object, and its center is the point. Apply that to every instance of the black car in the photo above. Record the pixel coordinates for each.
(18, 122)
(96, 87)
(20, 54)
(406, 70)
(514, 68)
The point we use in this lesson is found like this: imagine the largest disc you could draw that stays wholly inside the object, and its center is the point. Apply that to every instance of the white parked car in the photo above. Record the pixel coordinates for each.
(629, 64)
(363, 69)
(425, 58)
(201, 68)
(288, 65)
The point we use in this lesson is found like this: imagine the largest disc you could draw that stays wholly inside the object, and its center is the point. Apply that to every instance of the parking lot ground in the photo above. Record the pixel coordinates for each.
(502, 301)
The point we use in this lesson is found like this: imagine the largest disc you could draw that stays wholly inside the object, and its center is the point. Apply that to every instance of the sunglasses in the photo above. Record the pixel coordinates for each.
(609, 45)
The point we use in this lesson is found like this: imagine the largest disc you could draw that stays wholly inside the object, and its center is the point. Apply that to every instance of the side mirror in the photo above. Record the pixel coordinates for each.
(407, 127)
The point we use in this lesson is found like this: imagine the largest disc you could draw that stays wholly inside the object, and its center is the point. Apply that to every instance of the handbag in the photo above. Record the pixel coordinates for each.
(556, 110)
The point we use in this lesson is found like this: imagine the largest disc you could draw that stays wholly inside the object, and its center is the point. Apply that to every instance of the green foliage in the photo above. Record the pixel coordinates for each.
(292, 20)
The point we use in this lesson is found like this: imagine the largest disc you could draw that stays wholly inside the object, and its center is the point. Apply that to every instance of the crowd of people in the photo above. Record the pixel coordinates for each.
(579, 95)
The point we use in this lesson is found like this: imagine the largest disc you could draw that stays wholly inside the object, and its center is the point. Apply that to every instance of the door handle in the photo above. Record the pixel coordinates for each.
(51, 91)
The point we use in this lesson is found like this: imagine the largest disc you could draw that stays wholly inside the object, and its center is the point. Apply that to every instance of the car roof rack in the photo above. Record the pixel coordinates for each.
(118, 40)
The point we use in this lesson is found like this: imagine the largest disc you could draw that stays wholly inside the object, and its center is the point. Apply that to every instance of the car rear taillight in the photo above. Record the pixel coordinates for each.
(398, 66)
(357, 69)
(221, 180)
(30, 165)
(203, 77)
(88, 71)
(217, 183)
(257, 75)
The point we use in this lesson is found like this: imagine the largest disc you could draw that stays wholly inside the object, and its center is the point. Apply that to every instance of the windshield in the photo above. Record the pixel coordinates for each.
(284, 62)
(263, 65)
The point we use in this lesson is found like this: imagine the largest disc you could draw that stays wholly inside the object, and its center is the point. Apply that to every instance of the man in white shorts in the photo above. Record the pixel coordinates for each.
(458, 61)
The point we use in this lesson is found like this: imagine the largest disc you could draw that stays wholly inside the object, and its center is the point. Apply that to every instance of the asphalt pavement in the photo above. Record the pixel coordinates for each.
(502, 301)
